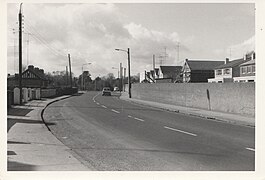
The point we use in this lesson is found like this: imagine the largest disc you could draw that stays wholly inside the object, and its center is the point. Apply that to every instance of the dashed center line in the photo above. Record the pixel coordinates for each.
(103, 106)
(250, 149)
(180, 131)
(138, 119)
(129, 116)
(115, 111)
(98, 103)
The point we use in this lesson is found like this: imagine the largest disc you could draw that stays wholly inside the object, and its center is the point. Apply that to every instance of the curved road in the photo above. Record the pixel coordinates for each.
(106, 133)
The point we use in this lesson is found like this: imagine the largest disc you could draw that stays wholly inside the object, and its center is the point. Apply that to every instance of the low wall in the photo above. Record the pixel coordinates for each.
(225, 97)
(48, 93)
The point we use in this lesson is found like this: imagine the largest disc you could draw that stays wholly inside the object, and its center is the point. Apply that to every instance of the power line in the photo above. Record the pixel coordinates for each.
(40, 37)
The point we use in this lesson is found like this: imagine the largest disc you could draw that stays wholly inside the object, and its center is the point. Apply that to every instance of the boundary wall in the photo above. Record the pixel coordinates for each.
(236, 98)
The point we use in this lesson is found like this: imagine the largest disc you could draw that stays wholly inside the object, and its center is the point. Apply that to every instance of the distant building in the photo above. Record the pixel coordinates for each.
(247, 72)
(239, 70)
(169, 74)
(195, 71)
(31, 78)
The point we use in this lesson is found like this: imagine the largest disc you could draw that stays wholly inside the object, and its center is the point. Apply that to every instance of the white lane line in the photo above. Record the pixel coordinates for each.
(130, 116)
(115, 111)
(103, 106)
(180, 131)
(250, 149)
(98, 103)
(138, 119)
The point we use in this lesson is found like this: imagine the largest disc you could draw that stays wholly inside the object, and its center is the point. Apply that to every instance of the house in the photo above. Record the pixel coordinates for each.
(232, 70)
(33, 77)
(199, 70)
(247, 72)
(169, 74)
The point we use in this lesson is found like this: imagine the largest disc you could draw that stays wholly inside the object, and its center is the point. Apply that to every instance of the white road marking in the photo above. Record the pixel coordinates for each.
(98, 103)
(138, 119)
(96, 96)
(129, 116)
(115, 111)
(180, 131)
(250, 149)
(103, 106)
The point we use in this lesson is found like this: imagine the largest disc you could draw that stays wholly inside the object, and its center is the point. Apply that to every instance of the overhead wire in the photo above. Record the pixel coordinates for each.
(42, 40)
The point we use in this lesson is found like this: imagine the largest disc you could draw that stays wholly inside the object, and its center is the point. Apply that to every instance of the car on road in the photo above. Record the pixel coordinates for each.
(116, 89)
(106, 91)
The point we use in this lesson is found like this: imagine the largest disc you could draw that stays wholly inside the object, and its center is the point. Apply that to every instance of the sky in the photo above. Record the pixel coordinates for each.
(91, 32)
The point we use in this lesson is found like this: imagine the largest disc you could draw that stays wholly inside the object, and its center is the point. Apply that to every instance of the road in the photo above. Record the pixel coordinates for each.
(109, 134)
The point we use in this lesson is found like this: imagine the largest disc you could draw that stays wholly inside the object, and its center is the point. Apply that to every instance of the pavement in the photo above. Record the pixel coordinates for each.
(31, 146)
(237, 119)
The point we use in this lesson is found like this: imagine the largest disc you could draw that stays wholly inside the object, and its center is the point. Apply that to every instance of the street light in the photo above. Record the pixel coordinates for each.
(129, 69)
(82, 83)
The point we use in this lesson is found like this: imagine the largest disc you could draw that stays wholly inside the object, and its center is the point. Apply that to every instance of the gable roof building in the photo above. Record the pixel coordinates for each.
(199, 70)
(229, 71)
(169, 74)
(32, 77)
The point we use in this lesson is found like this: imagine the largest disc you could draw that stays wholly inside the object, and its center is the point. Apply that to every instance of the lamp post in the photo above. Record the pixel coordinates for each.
(82, 83)
(129, 69)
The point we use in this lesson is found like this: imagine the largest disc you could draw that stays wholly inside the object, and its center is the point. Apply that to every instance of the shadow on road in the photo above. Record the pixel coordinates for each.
(11, 122)
(18, 111)
(16, 166)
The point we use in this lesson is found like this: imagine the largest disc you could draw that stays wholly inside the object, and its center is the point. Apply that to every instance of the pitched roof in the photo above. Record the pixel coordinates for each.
(170, 69)
(230, 64)
(203, 65)
(248, 63)
(36, 72)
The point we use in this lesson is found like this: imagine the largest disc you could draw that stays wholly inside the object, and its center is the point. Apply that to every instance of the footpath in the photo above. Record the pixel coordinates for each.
(31, 146)
(211, 115)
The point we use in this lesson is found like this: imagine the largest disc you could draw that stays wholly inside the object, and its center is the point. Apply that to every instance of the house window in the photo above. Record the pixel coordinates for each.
(243, 70)
(227, 71)
(248, 69)
(219, 72)
(253, 68)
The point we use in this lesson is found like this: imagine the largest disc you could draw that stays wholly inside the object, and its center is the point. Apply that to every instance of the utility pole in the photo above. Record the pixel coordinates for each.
(70, 70)
(154, 62)
(20, 54)
(120, 76)
(124, 75)
(66, 72)
(129, 73)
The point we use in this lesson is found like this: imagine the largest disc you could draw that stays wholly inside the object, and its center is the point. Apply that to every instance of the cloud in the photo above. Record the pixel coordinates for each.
(90, 33)
(239, 50)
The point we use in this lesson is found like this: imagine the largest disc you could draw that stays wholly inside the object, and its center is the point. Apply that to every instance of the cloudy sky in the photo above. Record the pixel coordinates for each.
(91, 32)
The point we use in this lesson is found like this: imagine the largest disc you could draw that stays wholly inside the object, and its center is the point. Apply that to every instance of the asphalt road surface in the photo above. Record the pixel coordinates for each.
(109, 134)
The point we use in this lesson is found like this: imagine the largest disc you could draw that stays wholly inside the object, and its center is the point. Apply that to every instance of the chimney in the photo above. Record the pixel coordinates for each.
(41, 71)
(226, 60)
(254, 55)
(31, 67)
(36, 69)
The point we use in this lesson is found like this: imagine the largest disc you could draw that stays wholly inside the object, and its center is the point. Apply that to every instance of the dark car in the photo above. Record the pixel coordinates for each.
(106, 91)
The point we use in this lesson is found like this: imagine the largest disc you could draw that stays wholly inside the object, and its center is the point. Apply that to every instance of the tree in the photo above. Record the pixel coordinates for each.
(86, 79)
